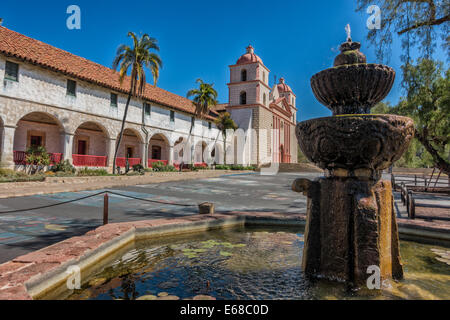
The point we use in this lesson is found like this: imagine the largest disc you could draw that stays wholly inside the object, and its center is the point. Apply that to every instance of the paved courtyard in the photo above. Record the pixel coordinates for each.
(22, 232)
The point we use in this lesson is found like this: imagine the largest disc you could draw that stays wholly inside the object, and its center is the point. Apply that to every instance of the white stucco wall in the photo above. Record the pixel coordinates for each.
(49, 88)
(53, 139)
(98, 143)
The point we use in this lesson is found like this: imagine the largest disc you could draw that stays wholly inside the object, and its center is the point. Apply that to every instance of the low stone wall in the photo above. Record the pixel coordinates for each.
(42, 274)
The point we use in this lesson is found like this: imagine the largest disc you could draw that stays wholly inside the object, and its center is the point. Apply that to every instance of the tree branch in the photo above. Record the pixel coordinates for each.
(439, 162)
(433, 22)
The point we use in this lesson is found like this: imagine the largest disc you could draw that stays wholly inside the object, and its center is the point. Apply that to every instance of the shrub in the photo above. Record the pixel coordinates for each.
(138, 168)
(37, 158)
(8, 175)
(242, 168)
(64, 167)
(159, 166)
(201, 167)
(8, 172)
(222, 167)
(92, 172)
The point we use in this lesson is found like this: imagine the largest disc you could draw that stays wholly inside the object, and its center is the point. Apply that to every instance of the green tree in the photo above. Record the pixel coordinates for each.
(419, 23)
(136, 57)
(204, 98)
(428, 103)
(381, 108)
(224, 122)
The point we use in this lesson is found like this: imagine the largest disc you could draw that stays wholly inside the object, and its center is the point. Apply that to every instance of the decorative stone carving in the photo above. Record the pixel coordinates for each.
(352, 86)
(352, 89)
(355, 142)
(350, 54)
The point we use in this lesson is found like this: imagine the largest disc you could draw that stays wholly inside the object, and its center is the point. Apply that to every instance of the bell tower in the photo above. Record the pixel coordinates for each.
(248, 81)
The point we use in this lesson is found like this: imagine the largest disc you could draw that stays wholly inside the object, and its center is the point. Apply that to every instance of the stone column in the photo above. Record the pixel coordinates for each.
(68, 146)
(143, 154)
(171, 155)
(111, 151)
(351, 225)
(7, 155)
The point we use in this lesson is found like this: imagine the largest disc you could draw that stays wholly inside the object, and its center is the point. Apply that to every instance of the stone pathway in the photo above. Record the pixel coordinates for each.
(25, 231)
(75, 184)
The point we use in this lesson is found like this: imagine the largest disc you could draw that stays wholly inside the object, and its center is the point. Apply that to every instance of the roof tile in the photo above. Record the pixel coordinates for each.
(33, 51)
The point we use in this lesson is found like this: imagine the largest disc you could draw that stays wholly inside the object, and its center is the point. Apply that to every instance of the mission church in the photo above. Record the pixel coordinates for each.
(74, 107)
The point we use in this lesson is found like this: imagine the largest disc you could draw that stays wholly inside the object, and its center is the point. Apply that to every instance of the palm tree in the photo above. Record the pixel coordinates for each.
(136, 57)
(224, 123)
(205, 97)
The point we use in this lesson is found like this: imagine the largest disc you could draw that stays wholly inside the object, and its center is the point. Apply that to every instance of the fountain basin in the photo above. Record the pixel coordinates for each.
(113, 248)
(355, 142)
(352, 88)
(250, 263)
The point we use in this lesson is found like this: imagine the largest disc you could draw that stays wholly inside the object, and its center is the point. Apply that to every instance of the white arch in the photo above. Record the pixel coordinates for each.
(39, 127)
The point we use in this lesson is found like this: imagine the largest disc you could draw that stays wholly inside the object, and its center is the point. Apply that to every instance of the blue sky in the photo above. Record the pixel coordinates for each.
(200, 39)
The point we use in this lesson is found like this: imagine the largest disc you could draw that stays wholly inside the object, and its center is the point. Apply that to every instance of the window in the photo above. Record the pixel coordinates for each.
(264, 77)
(156, 152)
(147, 109)
(244, 75)
(193, 122)
(172, 116)
(264, 99)
(209, 125)
(130, 152)
(114, 100)
(36, 141)
(12, 71)
(82, 147)
(243, 98)
(71, 88)
(35, 138)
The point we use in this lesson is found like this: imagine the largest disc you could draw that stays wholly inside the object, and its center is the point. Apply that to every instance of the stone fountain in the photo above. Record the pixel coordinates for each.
(351, 223)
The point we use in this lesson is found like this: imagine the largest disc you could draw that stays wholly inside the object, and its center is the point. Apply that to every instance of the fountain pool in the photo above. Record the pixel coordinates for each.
(250, 263)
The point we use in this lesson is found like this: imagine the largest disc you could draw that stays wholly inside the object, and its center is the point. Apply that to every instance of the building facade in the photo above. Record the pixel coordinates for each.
(74, 108)
(270, 112)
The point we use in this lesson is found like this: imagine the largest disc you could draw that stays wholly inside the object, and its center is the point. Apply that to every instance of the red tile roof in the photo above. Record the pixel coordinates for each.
(19, 46)
(220, 107)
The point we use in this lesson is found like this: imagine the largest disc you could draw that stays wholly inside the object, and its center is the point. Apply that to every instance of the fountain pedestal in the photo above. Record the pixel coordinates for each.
(351, 223)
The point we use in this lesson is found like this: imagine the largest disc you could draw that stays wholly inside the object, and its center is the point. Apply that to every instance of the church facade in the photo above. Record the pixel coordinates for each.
(74, 108)
(270, 111)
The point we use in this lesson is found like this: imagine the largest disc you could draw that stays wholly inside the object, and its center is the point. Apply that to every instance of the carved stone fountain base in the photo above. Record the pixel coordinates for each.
(351, 225)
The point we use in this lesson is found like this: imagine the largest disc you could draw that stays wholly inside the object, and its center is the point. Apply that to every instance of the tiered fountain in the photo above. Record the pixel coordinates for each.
(351, 223)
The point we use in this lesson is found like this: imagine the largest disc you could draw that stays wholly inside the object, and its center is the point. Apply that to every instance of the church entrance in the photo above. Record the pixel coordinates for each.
(282, 160)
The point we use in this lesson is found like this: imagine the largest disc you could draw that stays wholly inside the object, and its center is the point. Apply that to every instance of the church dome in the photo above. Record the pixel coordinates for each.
(249, 57)
(283, 87)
